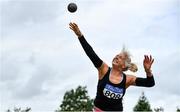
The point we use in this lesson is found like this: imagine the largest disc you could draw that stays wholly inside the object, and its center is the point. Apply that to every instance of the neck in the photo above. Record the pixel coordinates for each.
(116, 71)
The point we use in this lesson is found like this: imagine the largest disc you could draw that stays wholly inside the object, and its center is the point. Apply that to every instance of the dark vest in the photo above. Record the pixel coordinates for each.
(109, 96)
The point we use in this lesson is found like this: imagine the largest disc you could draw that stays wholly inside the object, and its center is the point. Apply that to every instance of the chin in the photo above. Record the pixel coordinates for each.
(115, 65)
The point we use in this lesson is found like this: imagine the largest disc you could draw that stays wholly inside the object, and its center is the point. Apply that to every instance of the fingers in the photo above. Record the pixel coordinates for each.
(148, 59)
(152, 61)
(71, 28)
(73, 25)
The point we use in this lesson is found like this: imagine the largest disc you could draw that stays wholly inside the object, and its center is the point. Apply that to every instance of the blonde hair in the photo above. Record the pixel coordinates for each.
(129, 66)
(133, 67)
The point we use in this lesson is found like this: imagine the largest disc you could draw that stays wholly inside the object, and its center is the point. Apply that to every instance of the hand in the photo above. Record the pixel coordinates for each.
(74, 27)
(148, 61)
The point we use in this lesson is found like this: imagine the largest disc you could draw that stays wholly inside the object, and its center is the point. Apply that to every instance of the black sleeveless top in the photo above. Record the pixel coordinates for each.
(109, 96)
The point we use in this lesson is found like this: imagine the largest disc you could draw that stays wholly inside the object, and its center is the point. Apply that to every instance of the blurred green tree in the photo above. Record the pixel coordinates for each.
(142, 104)
(76, 100)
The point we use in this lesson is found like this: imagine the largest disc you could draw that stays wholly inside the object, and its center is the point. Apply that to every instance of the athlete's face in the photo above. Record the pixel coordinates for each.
(119, 61)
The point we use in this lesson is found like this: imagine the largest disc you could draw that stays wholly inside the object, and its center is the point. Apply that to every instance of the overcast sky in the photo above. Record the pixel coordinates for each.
(41, 58)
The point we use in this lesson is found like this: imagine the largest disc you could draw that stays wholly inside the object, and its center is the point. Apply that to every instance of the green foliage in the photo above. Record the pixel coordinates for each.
(76, 100)
(178, 109)
(159, 109)
(142, 104)
(19, 110)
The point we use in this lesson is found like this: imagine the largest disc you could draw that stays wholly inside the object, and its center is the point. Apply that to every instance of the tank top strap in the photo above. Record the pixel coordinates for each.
(124, 80)
(106, 76)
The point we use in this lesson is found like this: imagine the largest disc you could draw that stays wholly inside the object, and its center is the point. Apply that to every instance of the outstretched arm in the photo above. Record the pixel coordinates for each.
(87, 48)
(149, 80)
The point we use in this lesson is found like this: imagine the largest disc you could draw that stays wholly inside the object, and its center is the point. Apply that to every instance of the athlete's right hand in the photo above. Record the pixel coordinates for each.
(74, 27)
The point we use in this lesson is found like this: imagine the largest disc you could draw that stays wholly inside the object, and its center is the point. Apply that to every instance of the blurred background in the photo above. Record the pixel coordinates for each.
(41, 58)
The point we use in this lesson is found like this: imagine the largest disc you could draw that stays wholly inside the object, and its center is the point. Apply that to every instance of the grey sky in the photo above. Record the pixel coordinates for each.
(41, 58)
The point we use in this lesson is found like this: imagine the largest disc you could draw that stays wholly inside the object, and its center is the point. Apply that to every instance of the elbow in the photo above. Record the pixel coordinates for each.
(151, 84)
(145, 82)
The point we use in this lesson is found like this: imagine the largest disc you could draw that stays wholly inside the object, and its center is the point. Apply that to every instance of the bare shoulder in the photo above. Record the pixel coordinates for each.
(130, 80)
(102, 70)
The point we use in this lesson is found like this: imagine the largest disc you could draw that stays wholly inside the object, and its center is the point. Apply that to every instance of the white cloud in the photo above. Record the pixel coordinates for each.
(42, 58)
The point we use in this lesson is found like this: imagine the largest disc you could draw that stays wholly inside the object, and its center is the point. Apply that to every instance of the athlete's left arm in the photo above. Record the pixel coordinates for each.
(144, 82)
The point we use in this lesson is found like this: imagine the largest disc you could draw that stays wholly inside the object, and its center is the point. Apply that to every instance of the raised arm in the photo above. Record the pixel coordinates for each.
(86, 46)
(144, 82)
